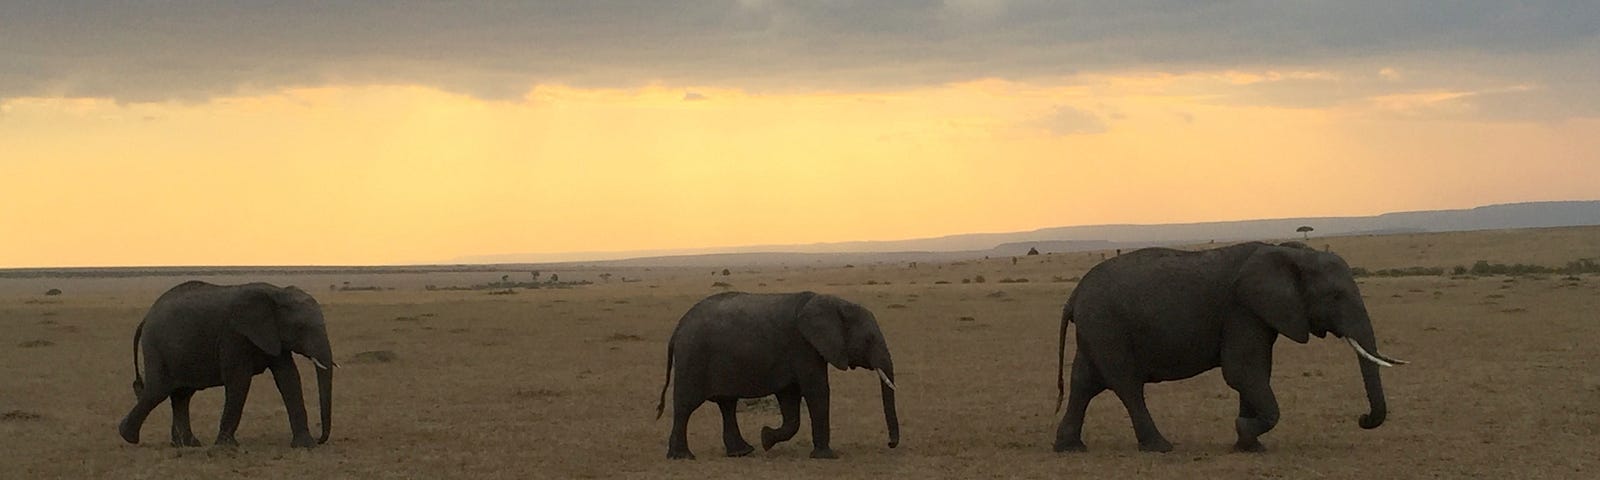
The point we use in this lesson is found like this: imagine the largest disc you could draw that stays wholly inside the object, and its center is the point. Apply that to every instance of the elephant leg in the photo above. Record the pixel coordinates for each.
(235, 389)
(1121, 371)
(182, 432)
(287, 377)
(1144, 427)
(1258, 408)
(1086, 384)
(816, 397)
(731, 439)
(678, 440)
(151, 397)
(789, 404)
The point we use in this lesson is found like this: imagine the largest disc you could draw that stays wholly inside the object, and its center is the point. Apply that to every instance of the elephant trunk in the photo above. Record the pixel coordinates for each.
(321, 354)
(325, 399)
(890, 418)
(1364, 342)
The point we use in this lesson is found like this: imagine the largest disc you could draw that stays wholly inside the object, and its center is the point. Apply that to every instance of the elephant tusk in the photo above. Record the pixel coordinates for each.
(1363, 352)
(319, 364)
(1393, 360)
(885, 378)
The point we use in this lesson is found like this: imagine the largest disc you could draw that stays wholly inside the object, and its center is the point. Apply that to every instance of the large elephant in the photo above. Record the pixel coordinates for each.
(1158, 314)
(198, 335)
(736, 345)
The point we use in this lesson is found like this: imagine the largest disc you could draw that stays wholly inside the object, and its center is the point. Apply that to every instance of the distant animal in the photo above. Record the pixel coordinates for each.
(1157, 314)
(199, 335)
(737, 345)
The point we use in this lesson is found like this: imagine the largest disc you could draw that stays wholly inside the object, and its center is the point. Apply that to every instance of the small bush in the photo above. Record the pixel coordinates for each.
(978, 279)
(721, 285)
(52, 292)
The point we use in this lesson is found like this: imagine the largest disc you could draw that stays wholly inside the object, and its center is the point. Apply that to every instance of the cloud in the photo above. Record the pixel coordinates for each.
(1067, 120)
(693, 96)
(138, 51)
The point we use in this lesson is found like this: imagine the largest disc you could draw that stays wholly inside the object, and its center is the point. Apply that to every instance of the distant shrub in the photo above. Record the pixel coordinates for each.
(721, 285)
(978, 279)
(1012, 280)
(52, 292)
(725, 272)
(966, 280)
(941, 282)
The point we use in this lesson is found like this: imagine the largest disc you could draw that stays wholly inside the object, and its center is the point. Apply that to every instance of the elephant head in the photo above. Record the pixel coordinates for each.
(1300, 292)
(847, 336)
(282, 321)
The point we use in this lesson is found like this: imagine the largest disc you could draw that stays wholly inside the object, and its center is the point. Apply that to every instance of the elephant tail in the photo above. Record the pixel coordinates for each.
(138, 378)
(661, 404)
(1061, 355)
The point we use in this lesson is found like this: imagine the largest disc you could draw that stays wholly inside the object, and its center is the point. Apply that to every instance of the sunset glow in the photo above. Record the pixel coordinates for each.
(360, 172)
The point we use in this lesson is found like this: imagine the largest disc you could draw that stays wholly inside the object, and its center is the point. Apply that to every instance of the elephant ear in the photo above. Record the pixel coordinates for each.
(821, 321)
(255, 316)
(1269, 285)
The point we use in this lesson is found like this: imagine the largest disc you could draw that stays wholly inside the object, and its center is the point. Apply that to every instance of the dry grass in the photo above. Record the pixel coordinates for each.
(1505, 379)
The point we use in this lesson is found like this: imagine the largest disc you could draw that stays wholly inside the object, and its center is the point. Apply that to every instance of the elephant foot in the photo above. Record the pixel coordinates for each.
(677, 455)
(740, 450)
(1249, 446)
(226, 441)
(824, 453)
(1159, 445)
(129, 434)
(303, 442)
(772, 436)
(1072, 446)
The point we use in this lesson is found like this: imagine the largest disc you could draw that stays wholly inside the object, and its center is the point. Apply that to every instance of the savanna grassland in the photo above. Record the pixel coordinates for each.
(558, 383)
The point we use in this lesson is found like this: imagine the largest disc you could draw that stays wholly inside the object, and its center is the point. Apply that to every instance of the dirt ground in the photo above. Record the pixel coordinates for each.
(562, 383)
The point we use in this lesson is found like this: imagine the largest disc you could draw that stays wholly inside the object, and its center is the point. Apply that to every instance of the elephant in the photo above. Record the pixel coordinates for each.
(735, 345)
(198, 335)
(1159, 314)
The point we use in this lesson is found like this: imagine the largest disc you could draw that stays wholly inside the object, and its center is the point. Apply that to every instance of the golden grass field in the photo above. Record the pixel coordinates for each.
(562, 383)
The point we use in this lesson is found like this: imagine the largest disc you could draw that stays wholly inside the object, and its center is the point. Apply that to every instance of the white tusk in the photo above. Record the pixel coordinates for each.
(319, 364)
(885, 378)
(1364, 354)
(1395, 361)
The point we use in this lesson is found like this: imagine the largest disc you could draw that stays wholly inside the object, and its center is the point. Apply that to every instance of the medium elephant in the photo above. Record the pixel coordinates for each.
(736, 345)
(1158, 314)
(198, 335)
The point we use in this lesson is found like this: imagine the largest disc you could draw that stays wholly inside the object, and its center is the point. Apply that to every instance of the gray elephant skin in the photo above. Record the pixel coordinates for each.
(737, 345)
(199, 335)
(1157, 315)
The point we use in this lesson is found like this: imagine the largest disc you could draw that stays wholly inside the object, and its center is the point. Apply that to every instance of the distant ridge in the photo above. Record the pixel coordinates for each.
(1089, 237)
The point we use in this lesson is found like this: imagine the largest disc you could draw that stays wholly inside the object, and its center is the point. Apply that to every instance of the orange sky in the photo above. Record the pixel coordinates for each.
(411, 174)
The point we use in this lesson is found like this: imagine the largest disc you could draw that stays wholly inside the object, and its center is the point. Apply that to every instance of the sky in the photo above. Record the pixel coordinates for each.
(399, 132)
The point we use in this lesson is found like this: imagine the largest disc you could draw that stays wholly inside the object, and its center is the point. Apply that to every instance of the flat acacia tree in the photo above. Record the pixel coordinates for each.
(1305, 232)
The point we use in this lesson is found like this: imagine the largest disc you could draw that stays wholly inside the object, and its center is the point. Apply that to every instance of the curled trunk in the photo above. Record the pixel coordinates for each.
(1370, 378)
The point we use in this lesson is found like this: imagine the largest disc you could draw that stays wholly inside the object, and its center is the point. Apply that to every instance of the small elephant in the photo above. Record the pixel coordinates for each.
(1157, 315)
(735, 345)
(198, 335)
